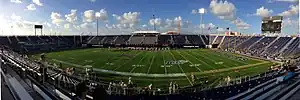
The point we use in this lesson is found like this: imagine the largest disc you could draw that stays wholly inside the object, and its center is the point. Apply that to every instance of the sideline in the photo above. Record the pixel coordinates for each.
(163, 75)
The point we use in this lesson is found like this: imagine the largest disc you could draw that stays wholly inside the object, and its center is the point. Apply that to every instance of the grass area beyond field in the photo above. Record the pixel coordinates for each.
(202, 62)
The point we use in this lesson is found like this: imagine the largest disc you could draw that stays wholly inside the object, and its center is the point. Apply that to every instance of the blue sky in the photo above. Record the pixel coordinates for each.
(125, 16)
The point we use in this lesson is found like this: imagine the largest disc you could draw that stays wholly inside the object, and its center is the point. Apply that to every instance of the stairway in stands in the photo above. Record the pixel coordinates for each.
(202, 40)
(221, 41)
(90, 39)
(187, 40)
(255, 43)
(9, 40)
(214, 39)
(287, 45)
(265, 49)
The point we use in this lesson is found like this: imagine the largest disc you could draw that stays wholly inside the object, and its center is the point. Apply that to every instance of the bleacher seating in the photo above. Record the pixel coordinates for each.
(218, 40)
(122, 39)
(4, 40)
(150, 39)
(244, 46)
(274, 49)
(136, 39)
(108, 40)
(205, 39)
(195, 40)
(260, 46)
(179, 39)
(164, 39)
(293, 49)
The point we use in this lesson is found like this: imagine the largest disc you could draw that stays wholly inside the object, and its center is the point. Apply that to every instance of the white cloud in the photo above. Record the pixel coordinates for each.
(86, 25)
(88, 16)
(37, 2)
(47, 24)
(294, 10)
(170, 24)
(240, 24)
(56, 18)
(129, 19)
(67, 26)
(263, 12)
(144, 25)
(220, 29)
(72, 17)
(206, 26)
(76, 27)
(31, 7)
(290, 1)
(102, 15)
(14, 17)
(227, 11)
(290, 22)
(92, 0)
(224, 10)
(16, 1)
(194, 11)
(211, 25)
(156, 22)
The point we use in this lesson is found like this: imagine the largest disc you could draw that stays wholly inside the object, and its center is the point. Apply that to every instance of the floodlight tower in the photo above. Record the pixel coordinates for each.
(154, 27)
(178, 27)
(97, 14)
(201, 11)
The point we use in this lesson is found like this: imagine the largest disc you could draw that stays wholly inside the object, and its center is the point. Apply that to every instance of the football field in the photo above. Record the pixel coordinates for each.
(161, 67)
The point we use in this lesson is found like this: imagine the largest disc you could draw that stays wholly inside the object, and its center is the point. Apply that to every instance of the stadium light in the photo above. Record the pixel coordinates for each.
(97, 14)
(201, 11)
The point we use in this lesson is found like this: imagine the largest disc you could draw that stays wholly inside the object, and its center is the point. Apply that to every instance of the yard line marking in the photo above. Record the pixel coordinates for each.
(138, 63)
(210, 59)
(111, 59)
(189, 61)
(128, 61)
(163, 75)
(182, 69)
(232, 59)
(200, 60)
(151, 63)
(164, 63)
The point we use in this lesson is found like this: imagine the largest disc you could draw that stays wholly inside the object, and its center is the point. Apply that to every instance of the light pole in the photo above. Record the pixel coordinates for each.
(97, 14)
(201, 11)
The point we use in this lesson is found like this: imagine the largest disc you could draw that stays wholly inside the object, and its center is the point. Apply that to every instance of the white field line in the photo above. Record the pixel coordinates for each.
(181, 69)
(164, 64)
(238, 56)
(189, 61)
(109, 60)
(151, 64)
(127, 61)
(138, 63)
(201, 61)
(210, 59)
(161, 75)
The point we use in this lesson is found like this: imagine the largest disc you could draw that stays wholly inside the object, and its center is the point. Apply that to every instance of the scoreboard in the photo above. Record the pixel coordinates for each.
(271, 24)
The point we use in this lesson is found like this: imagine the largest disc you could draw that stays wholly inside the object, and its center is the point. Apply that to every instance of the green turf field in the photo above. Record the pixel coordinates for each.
(204, 63)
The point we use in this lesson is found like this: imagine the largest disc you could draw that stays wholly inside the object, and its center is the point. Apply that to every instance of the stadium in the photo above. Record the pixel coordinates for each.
(151, 64)
(189, 62)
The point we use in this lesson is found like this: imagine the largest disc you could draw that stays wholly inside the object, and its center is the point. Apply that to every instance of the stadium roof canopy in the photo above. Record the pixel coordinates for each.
(145, 32)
